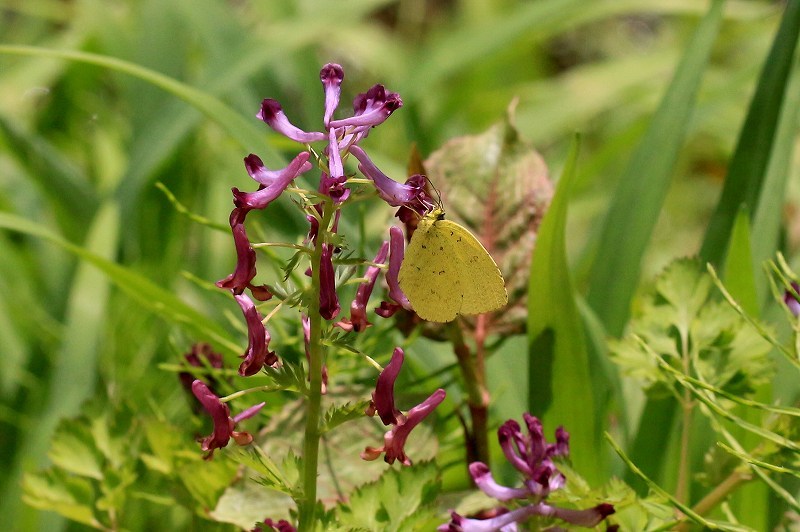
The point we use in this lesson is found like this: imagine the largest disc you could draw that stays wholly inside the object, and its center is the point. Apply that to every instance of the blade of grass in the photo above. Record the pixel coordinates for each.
(560, 386)
(767, 218)
(140, 289)
(57, 177)
(246, 132)
(639, 196)
(633, 213)
(751, 500)
(748, 165)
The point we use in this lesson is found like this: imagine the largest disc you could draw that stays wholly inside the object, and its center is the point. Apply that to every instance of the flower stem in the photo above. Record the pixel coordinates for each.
(316, 357)
(476, 436)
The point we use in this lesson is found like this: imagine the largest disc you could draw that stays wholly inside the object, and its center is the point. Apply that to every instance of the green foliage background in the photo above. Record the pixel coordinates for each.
(100, 100)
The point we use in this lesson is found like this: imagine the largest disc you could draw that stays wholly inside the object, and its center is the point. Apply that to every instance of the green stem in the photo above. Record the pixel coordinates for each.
(477, 441)
(308, 504)
(682, 488)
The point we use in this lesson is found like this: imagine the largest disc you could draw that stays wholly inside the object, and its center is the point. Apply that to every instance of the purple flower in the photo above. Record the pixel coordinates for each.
(383, 396)
(331, 77)
(258, 354)
(272, 113)
(412, 194)
(588, 518)
(370, 109)
(485, 481)
(358, 308)
(397, 252)
(791, 301)
(281, 526)
(383, 403)
(532, 456)
(329, 301)
(223, 422)
(394, 441)
(272, 182)
(245, 269)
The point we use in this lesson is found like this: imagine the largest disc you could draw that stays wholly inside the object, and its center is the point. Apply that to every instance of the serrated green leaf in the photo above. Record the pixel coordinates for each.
(682, 323)
(338, 414)
(72, 497)
(399, 498)
(281, 479)
(72, 449)
(206, 480)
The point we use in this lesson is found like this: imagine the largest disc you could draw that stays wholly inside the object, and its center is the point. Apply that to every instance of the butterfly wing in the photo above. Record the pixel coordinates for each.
(430, 274)
(482, 286)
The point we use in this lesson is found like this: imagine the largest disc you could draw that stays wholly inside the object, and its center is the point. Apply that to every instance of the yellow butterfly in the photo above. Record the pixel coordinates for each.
(446, 271)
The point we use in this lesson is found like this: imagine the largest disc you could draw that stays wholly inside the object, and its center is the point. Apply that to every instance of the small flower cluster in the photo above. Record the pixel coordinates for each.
(533, 457)
(342, 138)
(383, 404)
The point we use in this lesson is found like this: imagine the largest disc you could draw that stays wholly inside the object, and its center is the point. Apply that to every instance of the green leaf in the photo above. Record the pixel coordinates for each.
(767, 218)
(245, 132)
(751, 501)
(72, 449)
(739, 267)
(246, 503)
(139, 288)
(496, 185)
(55, 491)
(206, 480)
(338, 414)
(681, 322)
(748, 166)
(639, 195)
(396, 501)
(559, 383)
(282, 479)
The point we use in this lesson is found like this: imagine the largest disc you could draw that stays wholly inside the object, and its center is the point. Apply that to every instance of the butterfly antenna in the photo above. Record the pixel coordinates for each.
(438, 194)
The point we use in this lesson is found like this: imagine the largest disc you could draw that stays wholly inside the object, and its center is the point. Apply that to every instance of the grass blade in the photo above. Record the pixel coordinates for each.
(640, 193)
(559, 383)
(748, 165)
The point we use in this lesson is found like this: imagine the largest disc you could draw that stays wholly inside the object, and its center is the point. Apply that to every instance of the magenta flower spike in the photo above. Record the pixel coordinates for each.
(395, 194)
(195, 358)
(397, 249)
(370, 109)
(281, 526)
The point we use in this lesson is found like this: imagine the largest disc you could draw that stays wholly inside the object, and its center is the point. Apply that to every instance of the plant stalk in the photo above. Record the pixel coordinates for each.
(316, 357)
